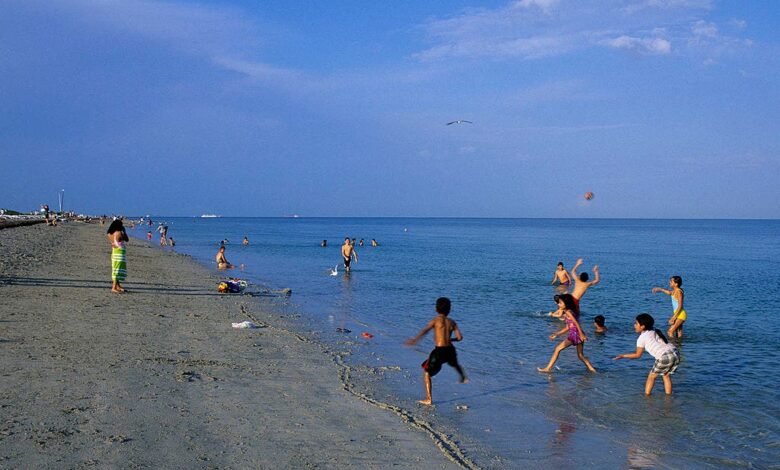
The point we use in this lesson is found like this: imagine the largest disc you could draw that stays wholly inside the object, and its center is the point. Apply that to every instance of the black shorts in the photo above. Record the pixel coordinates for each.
(347, 261)
(438, 357)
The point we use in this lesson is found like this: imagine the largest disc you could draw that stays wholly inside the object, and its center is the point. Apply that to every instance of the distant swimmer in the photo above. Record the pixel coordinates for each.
(581, 284)
(373, 242)
(222, 262)
(598, 322)
(324, 243)
(561, 275)
(347, 253)
(360, 243)
(246, 241)
(459, 121)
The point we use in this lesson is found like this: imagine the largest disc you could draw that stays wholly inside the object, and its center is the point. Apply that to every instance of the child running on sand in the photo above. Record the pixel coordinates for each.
(575, 335)
(667, 359)
(678, 312)
(443, 329)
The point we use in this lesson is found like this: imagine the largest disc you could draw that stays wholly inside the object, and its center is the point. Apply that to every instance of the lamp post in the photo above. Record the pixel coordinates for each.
(62, 199)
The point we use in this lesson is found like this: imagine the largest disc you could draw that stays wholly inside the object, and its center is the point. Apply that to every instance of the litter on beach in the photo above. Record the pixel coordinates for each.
(245, 324)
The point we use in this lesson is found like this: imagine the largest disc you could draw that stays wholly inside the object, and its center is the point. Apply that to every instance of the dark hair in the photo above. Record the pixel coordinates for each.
(647, 321)
(584, 277)
(599, 320)
(560, 263)
(346, 238)
(568, 301)
(677, 280)
(116, 226)
(443, 305)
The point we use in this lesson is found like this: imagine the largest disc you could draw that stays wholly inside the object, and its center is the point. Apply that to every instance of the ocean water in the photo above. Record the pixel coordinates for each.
(724, 412)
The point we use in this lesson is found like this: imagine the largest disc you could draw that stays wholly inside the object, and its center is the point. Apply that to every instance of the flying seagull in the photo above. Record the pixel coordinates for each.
(459, 121)
(335, 271)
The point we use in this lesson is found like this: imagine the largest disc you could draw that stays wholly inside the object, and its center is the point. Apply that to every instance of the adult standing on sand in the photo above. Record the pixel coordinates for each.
(117, 236)
(581, 284)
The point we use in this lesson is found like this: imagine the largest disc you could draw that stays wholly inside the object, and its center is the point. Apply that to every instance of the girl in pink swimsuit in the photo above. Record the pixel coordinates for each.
(574, 337)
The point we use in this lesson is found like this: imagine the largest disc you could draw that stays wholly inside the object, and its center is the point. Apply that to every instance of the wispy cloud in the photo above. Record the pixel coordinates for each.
(534, 29)
(656, 46)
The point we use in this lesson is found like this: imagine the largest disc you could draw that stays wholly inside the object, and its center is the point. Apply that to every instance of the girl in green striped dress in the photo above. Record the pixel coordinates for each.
(117, 236)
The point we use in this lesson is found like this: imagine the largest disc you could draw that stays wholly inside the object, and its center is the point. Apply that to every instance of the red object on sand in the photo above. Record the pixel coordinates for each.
(589, 195)
(366, 335)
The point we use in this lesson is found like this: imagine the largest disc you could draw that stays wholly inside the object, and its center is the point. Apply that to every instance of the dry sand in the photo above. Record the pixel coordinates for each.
(157, 377)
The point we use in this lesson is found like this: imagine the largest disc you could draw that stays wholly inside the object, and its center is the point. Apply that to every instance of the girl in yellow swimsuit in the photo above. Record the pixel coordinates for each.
(678, 312)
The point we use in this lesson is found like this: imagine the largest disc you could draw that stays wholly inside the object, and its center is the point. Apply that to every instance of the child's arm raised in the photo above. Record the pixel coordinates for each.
(634, 355)
(574, 269)
(423, 332)
(661, 289)
(597, 278)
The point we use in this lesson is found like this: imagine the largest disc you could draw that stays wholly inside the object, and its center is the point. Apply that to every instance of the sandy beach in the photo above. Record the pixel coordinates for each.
(157, 377)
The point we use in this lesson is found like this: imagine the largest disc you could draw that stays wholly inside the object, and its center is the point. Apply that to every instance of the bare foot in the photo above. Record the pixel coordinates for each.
(543, 370)
(425, 402)
(464, 380)
(117, 291)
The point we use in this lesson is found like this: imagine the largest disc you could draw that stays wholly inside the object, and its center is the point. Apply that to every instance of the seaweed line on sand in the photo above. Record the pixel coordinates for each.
(449, 447)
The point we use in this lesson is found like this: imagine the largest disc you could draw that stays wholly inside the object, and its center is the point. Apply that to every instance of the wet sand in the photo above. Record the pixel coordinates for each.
(157, 377)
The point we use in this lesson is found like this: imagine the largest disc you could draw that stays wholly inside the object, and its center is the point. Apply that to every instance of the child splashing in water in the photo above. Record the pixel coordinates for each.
(667, 359)
(678, 312)
(575, 335)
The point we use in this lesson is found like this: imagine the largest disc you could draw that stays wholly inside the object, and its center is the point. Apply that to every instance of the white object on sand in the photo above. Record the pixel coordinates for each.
(335, 271)
(244, 324)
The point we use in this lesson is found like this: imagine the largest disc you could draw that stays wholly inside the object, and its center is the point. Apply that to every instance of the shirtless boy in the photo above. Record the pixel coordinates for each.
(443, 329)
(581, 283)
(348, 252)
(561, 275)
(222, 262)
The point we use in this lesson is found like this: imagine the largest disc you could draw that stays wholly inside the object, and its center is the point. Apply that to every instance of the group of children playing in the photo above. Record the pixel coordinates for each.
(651, 339)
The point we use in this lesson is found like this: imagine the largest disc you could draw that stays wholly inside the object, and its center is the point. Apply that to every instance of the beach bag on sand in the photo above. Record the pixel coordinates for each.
(232, 286)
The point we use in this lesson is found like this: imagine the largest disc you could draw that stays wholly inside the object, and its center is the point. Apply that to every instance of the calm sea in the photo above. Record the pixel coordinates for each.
(725, 411)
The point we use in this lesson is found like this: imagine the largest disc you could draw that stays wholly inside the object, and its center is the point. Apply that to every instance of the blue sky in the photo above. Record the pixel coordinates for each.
(662, 108)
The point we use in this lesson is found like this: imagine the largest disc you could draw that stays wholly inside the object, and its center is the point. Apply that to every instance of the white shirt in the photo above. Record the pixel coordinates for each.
(653, 344)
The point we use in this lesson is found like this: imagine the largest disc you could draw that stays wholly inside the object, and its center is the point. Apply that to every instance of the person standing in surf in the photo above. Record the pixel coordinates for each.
(667, 358)
(347, 253)
(582, 284)
(679, 315)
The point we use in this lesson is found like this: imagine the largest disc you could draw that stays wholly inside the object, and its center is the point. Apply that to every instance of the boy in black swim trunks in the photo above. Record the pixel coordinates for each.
(444, 352)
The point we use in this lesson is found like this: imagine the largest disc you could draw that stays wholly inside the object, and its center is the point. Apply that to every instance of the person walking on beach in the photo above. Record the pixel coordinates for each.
(222, 262)
(678, 312)
(348, 252)
(574, 337)
(667, 358)
(581, 284)
(118, 237)
(561, 275)
(444, 352)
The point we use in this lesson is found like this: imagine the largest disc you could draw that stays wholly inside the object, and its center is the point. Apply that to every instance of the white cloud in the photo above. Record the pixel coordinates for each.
(654, 46)
(702, 28)
(534, 29)
(545, 5)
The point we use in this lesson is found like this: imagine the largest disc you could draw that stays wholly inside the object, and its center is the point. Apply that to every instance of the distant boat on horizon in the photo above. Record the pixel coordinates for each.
(210, 216)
